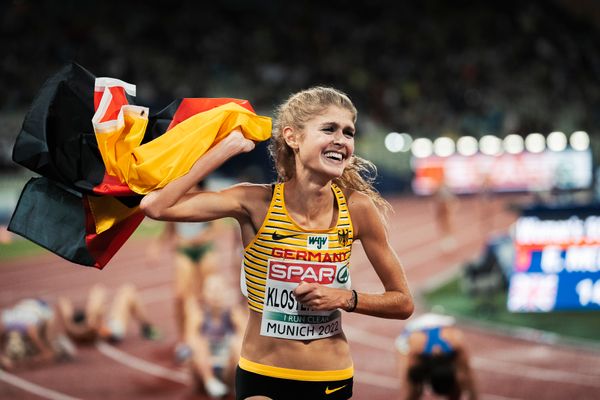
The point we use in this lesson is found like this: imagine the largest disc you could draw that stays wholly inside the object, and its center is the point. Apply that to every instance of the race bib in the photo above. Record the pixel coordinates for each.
(283, 316)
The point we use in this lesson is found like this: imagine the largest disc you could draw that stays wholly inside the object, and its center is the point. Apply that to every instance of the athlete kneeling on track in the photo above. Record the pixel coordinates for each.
(29, 332)
(431, 353)
(93, 322)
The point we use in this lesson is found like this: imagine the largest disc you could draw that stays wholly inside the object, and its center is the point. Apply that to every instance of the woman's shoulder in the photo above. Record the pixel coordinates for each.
(252, 190)
(363, 211)
(252, 197)
(358, 202)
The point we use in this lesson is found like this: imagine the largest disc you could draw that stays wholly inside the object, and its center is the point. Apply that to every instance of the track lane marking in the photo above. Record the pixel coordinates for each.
(142, 365)
(33, 388)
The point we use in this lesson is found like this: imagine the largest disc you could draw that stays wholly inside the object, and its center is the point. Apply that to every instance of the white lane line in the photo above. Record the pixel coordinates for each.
(142, 365)
(33, 388)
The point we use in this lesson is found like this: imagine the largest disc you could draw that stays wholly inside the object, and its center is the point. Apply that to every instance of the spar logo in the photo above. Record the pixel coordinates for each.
(297, 272)
(343, 275)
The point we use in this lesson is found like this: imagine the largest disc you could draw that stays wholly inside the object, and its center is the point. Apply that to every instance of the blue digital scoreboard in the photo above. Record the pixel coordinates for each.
(557, 260)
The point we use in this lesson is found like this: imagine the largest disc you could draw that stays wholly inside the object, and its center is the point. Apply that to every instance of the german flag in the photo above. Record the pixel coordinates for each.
(98, 153)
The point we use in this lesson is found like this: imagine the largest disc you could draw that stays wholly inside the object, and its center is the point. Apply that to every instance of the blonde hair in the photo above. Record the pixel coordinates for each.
(298, 109)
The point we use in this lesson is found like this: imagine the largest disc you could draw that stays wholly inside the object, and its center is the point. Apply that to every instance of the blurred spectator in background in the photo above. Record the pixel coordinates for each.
(5, 235)
(195, 259)
(86, 325)
(193, 244)
(445, 205)
(29, 333)
(487, 276)
(432, 353)
(214, 329)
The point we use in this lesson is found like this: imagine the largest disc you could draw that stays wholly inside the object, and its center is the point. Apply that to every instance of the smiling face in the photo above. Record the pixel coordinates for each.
(325, 144)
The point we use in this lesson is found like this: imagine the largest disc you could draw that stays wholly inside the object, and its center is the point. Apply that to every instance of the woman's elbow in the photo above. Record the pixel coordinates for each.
(149, 208)
(406, 308)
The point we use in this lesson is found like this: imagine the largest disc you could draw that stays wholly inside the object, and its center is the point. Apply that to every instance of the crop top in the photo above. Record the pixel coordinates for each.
(281, 255)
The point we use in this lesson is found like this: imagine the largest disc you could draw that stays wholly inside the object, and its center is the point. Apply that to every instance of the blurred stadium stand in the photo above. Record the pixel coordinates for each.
(430, 68)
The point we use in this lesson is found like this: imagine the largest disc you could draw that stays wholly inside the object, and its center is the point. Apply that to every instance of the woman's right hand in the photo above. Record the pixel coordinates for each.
(235, 143)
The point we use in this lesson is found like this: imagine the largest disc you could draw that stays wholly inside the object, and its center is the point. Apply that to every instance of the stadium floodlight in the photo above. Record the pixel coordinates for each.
(535, 143)
(556, 141)
(407, 141)
(394, 142)
(513, 144)
(579, 141)
(422, 147)
(466, 145)
(490, 145)
(443, 146)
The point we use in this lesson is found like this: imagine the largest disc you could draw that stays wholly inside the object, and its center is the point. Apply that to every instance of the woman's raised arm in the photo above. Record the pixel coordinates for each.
(174, 203)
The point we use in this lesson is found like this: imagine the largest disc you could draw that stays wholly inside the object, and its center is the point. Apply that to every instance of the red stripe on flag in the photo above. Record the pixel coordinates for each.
(112, 186)
(192, 106)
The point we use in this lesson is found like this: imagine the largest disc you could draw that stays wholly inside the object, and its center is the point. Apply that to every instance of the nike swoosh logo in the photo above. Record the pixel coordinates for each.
(329, 391)
(277, 236)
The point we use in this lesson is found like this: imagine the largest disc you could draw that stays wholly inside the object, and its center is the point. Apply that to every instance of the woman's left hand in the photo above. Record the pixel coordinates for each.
(322, 298)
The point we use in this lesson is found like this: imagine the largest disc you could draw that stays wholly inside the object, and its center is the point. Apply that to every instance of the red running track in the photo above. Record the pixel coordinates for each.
(506, 367)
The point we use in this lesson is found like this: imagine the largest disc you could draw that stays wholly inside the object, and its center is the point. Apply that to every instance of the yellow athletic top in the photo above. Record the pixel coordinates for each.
(281, 255)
